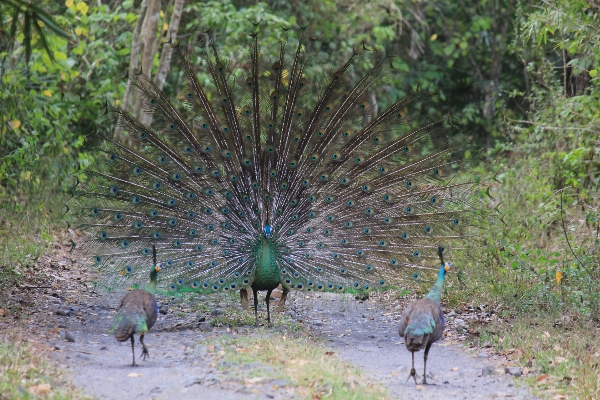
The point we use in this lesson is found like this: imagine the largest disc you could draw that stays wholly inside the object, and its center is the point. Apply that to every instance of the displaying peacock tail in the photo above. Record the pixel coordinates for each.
(261, 176)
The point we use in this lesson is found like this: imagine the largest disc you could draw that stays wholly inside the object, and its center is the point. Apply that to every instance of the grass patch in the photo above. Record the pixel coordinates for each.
(559, 352)
(237, 317)
(25, 375)
(312, 370)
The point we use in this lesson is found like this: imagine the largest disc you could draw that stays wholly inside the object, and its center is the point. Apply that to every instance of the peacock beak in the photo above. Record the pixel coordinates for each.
(447, 266)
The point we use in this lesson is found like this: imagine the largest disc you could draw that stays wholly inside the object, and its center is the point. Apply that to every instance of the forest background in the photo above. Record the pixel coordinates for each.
(520, 76)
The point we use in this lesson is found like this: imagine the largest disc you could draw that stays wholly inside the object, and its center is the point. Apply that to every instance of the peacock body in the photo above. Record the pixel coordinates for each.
(261, 175)
(422, 322)
(137, 313)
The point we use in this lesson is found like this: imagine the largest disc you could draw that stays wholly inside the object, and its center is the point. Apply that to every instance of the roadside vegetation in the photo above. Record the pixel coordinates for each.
(521, 77)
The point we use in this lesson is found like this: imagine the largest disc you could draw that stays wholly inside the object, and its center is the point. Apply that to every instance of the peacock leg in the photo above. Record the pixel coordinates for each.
(255, 307)
(425, 362)
(268, 312)
(244, 299)
(281, 303)
(413, 372)
(144, 349)
(133, 364)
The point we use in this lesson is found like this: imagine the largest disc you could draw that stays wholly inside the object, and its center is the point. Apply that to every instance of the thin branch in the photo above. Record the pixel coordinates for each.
(567, 236)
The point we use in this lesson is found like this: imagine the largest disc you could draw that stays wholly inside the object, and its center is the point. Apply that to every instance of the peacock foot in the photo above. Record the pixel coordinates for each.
(244, 299)
(281, 303)
(413, 374)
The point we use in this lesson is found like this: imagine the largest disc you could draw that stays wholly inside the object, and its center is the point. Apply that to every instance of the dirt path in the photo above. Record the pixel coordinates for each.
(74, 322)
(366, 334)
(182, 367)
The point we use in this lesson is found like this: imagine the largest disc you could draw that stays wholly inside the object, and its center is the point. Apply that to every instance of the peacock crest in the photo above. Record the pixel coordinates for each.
(263, 174)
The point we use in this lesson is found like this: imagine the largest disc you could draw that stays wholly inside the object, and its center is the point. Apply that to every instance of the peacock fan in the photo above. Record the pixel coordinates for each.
(265, 175)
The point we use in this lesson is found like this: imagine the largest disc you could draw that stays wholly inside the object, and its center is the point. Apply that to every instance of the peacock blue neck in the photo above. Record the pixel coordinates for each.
(435, 294)
(267, 274)
(151, 288)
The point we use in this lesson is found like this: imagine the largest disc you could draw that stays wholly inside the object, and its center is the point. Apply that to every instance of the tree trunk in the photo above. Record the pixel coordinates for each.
(133, 65)
(165, 57)
(148, 39)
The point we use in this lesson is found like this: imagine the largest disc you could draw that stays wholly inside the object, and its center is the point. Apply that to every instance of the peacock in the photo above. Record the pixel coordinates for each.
(137, 312)
(422, 323)
(260, 173)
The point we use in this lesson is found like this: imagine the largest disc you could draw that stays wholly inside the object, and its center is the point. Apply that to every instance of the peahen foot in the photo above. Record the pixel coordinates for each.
(145, 353)
(144, 349)
(413, 374)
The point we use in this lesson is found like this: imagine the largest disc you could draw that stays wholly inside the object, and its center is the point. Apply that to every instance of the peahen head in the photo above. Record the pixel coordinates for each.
(154, 272)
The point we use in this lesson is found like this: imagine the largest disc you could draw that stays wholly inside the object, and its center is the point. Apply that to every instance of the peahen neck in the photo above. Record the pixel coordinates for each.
(435, 294)
(151, 288)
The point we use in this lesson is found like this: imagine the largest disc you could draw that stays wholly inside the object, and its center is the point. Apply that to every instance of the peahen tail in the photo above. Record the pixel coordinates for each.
(256, 174)
(126, 323)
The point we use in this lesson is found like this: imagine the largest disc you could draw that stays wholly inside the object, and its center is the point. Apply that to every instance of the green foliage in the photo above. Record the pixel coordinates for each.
(47, 113)
(543, 252)
(33, 15)
(522, 79)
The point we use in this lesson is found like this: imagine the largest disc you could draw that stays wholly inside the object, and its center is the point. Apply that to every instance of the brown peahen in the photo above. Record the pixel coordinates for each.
(137, 313)
(422, 323)
(255, 176)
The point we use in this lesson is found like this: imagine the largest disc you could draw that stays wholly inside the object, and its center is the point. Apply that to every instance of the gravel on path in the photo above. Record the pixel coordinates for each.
(366, 335)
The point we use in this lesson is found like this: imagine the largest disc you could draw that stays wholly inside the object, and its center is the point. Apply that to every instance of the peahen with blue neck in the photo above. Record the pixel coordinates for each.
(137, 312)
(257, 175)
(422, 322)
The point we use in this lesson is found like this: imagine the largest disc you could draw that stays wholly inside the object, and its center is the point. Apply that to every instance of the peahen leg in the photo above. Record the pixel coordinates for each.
(133, 364)
(425, 362)
(144, 349)
(255, 307)
(413, 371)
(244, 299)
(267, 300)
(281, 303)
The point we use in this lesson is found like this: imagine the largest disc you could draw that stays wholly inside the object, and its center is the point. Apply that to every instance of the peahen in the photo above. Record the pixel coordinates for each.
(268, 174)
(422, 323)
(137, 313)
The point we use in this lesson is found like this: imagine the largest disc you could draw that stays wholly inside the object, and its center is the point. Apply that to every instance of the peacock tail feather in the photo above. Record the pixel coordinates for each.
(265, 175)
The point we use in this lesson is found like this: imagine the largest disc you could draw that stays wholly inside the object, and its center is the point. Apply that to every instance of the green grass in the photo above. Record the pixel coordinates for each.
(25, 375)
(313, 370)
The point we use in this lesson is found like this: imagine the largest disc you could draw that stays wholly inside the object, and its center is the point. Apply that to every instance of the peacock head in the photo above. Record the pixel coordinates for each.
(268, 231)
